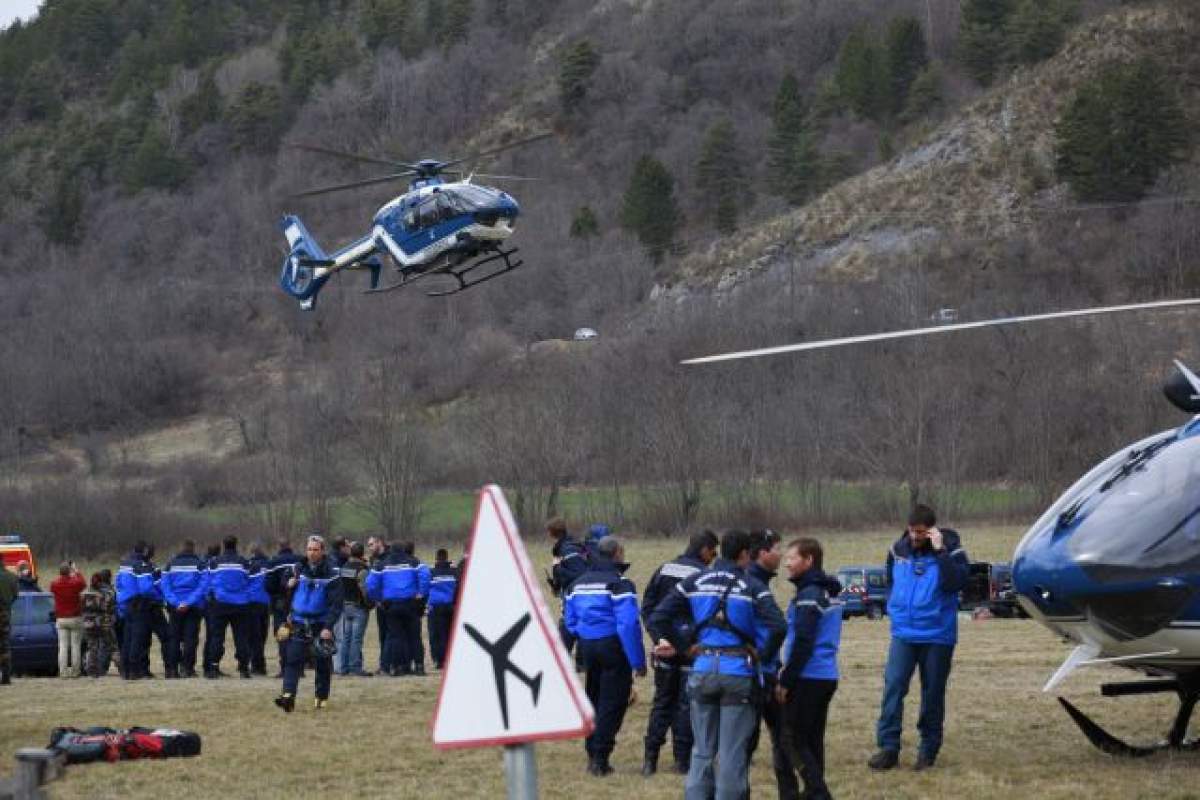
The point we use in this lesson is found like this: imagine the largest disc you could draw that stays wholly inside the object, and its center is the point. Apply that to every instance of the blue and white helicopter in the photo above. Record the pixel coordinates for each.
(437, 227)
(1114, 564)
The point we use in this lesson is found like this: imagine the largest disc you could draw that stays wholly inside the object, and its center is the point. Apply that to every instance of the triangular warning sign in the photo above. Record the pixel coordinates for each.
(508, 678)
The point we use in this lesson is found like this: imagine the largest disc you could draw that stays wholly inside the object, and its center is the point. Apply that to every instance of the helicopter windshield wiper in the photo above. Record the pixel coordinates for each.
(1135, 461)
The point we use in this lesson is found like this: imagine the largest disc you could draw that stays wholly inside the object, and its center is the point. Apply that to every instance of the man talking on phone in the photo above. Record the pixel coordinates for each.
(926, 568)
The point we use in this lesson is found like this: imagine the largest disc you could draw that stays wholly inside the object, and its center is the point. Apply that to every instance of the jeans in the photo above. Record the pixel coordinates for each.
(70, 646)
(933, 663)
(350, 630)
(723, 717)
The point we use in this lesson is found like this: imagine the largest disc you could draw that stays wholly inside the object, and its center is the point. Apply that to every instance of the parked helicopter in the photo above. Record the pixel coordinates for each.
(1114, 564)
(435, 228)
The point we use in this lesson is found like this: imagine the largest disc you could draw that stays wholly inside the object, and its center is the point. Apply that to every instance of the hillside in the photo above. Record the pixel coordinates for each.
(152, 365)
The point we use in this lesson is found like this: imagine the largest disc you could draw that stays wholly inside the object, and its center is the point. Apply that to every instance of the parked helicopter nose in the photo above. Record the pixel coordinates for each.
(1121, 549)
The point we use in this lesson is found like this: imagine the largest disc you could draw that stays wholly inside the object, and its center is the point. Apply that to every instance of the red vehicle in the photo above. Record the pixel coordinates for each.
(14, 550)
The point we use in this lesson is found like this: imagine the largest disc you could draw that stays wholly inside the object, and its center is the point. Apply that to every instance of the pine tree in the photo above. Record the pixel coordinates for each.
(203, 105)
(1119, 132)
(787, 122)
(256, 118)
(61, 218)
(585, 225)
(435, 20)
(806, 178)
(458, 22)
(1036, 28)
(982, 39)
(387, 22)
(154, 164)
(862, 76)
(716, 177)
(40, 93)
(575, 73)
(906, 55)
(924, 95)
(649, 209)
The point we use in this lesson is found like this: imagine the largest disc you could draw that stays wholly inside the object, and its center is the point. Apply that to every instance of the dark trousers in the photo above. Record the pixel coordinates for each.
(226, 616)
(185, 630)
(607, 683)
(381, 624)
(142, 621)
(258, 622)
(804, 720)
(772, 713)
(440, 619)
(396, 614)
(295, 654)
(412, 629)
(933, 663)
(670, 712)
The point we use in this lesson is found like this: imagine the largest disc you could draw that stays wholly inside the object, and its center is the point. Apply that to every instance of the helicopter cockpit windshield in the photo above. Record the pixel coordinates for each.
(466, 198)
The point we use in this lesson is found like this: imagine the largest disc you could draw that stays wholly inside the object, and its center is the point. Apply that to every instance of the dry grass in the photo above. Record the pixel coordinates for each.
(1003, 734)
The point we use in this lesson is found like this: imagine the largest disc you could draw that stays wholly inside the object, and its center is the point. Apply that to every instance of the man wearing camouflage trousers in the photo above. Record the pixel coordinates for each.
(8, 595)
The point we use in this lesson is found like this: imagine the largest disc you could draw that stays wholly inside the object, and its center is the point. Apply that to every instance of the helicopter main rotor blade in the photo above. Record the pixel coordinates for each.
(961, 326)
(353, 184)
(493, 151)
(502, 177)
(327, 151)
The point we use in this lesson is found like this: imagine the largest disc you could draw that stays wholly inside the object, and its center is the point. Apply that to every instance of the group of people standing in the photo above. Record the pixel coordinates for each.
(725, 657)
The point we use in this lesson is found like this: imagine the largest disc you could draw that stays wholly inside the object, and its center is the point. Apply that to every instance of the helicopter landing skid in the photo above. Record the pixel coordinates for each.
(461, 273)
(1189, 694)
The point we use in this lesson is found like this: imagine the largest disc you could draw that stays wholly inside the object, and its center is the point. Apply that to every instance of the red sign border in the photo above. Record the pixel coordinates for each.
(539, 608)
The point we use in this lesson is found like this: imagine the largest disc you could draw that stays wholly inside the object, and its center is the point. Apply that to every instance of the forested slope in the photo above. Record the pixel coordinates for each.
(720, 174)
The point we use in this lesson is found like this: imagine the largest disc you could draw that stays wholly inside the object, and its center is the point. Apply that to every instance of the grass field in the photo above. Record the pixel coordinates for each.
(1004, 737)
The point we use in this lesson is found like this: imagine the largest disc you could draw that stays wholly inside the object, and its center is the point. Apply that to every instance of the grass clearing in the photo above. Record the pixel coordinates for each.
(1003, 734)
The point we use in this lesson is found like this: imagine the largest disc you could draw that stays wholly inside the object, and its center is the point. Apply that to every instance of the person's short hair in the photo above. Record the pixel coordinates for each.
(807, 546)
(442, 555)
(315, 538)
(557, 526)
(340, 542)
(97, 579)
(357, 550)
(140, 547)
(701, 540)
(283, 543)
(64, 568)
(410, 548)
(609, 546)
(213, 550)
(189, 546)
(922, 515)
(106, 573)
(763, 539)
(733, 543)
(230, 542)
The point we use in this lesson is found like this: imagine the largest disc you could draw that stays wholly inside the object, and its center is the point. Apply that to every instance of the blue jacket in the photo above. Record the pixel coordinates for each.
(279, 570)
(572, 562)
(602, 603)
(764, 576)
(395, 577)
(443, 584)
(814, 630)
(923, 605)
(662, 583)
(184, 581)
(423, 578)
(135, 579)
(229, 579)
(752, 618)
(317, 598)
(257, 581)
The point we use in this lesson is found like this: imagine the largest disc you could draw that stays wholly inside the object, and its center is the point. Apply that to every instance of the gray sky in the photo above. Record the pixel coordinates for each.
(14, 9)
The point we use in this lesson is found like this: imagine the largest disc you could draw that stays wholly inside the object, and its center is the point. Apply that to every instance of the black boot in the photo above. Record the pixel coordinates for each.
(5, 676)
(599, 767)
(649, 764)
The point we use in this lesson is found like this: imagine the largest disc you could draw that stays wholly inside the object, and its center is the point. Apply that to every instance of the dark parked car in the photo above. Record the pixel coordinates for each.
(34, 638)
(864, 591)
(990, 586)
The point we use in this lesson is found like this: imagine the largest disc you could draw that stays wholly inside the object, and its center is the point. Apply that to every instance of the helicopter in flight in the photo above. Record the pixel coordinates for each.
(1113, 565)
(441, 227)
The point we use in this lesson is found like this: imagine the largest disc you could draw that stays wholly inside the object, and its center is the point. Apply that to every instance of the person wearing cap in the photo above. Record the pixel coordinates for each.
(316, 590)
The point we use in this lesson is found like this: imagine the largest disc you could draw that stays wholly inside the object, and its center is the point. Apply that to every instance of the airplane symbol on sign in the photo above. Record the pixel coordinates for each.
(499, 651)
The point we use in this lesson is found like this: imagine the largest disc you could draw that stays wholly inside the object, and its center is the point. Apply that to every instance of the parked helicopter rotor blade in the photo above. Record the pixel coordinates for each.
(961, 326)
(327, 151)
(354, 184)
(494, 150)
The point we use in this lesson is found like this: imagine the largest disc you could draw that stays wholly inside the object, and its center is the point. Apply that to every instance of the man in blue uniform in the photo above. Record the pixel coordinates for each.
(766, 551)
(570, 561)
(736, 625)
(601, 613)
(279, 570)
(393, 584)
(809, 676)
(669, 710)
(443, 588)
(378, 552)
(258, 609)
(140, 605)
(926, 569)
(184, 583)
(416, 647)
(229, 586)
(316, 590)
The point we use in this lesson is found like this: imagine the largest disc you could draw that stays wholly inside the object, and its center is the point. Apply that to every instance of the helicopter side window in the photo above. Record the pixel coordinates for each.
(427, 213)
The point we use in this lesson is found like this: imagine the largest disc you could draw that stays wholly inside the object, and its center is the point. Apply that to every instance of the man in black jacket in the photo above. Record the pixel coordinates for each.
(669, 710)
(279, 570)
